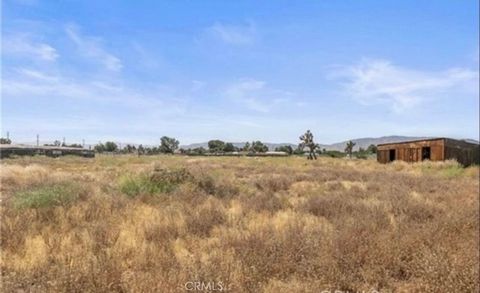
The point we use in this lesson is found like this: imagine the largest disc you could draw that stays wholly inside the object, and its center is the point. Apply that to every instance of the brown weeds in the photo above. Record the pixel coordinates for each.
(253, 224)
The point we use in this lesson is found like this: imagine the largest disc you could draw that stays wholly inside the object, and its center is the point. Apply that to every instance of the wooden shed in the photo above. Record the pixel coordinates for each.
(435, 149)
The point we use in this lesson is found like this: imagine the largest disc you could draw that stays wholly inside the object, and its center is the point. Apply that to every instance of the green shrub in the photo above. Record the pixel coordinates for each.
(333, 154)
(47, 196)
(454, 171)
(134, 185)
(449, 168)
(361, 155)
(159, 181)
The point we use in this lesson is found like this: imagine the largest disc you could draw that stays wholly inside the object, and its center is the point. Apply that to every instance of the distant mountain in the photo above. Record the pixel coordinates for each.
(366, 141)
(471, 140)
(339, 146)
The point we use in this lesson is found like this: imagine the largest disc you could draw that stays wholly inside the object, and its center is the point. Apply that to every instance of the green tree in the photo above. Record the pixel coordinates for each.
(229, 147)
(199, 151)
(259, 147)
(110, 146)
(99, 148)
(299, 151)
(216, 145)
(168, 145)
(361, 153)
(5, 141)
(130, 149)
(372, 149)
(285, 148)
(349, 148)
(154, 151)
(246, 147)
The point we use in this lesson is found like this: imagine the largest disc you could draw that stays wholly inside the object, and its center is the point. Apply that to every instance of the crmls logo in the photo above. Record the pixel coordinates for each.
(341, 291)
(205, 286)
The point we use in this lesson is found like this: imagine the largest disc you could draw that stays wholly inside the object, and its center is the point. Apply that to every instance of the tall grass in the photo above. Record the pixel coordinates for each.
(47, 195)
(129, 224)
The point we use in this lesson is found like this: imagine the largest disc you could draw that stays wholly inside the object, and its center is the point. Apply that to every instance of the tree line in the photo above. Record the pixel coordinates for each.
(170, 145)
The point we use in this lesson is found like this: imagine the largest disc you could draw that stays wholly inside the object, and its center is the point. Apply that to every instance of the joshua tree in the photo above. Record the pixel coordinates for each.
(140, 150)
(349, 148)
(307, 141)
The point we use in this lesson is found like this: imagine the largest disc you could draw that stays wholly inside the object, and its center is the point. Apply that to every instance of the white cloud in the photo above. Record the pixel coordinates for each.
(381, 82)
(26, 83)
(233, 34)
(24, 45)
(255, 94)
(34, 74)
(91, 47)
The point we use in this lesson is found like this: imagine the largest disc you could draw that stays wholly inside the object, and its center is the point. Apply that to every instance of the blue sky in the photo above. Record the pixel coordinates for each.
(133, 71)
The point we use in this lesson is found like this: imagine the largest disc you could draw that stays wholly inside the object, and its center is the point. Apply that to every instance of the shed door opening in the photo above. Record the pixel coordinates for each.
(391, 155)
(425, 153)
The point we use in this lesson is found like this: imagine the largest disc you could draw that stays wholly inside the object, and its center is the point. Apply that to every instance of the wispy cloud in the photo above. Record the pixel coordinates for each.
(26, 83)
(381, 82)
(24, 45)
(92, 48)
(255, 94)
(233, 34)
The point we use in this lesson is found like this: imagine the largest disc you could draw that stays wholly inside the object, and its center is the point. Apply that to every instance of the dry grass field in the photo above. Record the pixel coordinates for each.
(153, 224)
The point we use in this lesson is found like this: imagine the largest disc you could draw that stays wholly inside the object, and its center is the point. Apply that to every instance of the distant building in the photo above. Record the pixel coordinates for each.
(435, 149)
(276, 154)
(7, 150)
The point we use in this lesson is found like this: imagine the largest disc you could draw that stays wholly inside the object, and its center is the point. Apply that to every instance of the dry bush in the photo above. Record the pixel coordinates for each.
(216, 187)
(205, 216)
(254, 224)
(273, 183)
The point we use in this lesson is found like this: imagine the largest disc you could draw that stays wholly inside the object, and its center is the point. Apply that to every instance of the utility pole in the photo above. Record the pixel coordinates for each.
(63, 141)
(83, 143)
(38, 140)
(8, 135)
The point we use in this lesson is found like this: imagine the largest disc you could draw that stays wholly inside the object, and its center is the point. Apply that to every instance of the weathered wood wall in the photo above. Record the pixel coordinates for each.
(465, 153)
(411, 151)
(440, 149)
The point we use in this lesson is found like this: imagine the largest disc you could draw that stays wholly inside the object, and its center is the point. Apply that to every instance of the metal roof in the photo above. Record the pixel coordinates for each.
(427, 139)
(24, 147)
